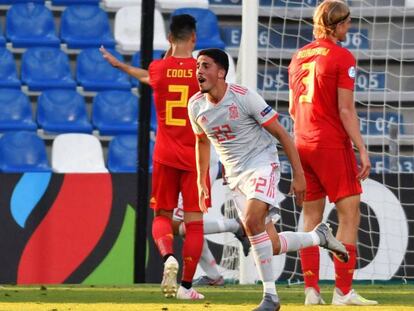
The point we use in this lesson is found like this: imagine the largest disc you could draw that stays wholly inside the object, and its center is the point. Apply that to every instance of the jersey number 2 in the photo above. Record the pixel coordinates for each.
(308, 81)
(171, 104)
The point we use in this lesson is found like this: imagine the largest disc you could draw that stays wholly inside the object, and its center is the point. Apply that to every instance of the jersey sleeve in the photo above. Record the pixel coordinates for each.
(346, 71)
(258, 108)
(192, 116)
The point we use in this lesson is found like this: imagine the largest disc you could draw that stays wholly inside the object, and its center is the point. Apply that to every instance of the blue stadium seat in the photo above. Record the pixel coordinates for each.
(136, 62)
(208, 34)
(23, 152)
(122, 154)
(8, 73)
(46, 68)
(85, 26)
(115, 112)
(30, 24)
(63, 111)
(94, 73)
(72, 2)
(15, 111)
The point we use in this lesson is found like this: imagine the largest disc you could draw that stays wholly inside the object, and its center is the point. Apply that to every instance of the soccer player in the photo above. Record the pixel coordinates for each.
(173, 81)
(243, 128)
(321, 83)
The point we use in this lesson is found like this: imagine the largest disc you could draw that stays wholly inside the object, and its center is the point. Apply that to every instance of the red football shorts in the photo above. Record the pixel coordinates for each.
(329, 172)
(168, 182)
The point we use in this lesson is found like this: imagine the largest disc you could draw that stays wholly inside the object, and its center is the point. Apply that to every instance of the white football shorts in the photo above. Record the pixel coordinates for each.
(260, 183)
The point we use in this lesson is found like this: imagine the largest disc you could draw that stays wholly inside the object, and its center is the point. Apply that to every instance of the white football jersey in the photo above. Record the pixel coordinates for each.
(234, 126)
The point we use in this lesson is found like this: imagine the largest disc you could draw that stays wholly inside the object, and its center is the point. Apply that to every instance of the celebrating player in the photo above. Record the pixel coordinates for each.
(243, 128)
(321, 82)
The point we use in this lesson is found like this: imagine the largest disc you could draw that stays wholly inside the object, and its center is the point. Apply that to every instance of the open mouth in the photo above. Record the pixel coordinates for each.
(201, 80)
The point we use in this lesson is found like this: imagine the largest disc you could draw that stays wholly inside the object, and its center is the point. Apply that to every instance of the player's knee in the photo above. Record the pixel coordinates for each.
(253, 225)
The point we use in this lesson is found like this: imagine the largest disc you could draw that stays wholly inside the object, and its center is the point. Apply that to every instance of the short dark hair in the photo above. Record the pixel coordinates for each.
(182, 26)
(219, 56)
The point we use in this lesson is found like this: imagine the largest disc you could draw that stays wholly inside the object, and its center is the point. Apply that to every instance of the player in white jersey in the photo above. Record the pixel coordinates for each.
(243, 130)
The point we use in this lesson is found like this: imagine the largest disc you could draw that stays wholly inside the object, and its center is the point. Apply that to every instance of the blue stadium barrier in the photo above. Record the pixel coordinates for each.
(381, 164)
(277, 80)
(8, 73)
(369, 81)
(115, 112)
(23, 152)
(273, 80)
(31, 24)
(46, 68)
(62, 111)
(94, 73)
(122, 154)
(289, 38)
(15, 111)
(290, 3)
(208, 33)
(378, 123)
(356, 38)
(86, 26)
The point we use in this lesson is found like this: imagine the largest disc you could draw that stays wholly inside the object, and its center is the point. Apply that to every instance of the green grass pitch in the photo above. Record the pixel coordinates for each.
(148, 297)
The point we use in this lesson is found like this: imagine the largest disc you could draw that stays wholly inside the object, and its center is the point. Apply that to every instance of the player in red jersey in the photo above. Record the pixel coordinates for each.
(174, 81)
(321, 83)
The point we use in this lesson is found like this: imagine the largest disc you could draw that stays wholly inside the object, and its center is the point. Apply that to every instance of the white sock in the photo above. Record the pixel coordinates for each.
(208, 263)
(293, 241)
(262, 254)
(221, 225)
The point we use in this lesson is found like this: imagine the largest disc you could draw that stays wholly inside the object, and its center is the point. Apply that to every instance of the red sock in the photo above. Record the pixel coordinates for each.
(192, 247)
(309, 258)
(163, 236)
(344, 272)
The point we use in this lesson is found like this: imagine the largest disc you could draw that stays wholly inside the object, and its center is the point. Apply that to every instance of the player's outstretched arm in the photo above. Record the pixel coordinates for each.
(298, 185)
(202, 162)
(349, 119)
(139, 73)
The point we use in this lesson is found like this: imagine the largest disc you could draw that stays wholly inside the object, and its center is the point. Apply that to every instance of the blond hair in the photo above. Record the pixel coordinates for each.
(327, 16)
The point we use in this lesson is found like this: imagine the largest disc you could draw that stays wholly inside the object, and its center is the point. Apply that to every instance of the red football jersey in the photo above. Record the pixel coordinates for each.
(174, 81)
(315, 73)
